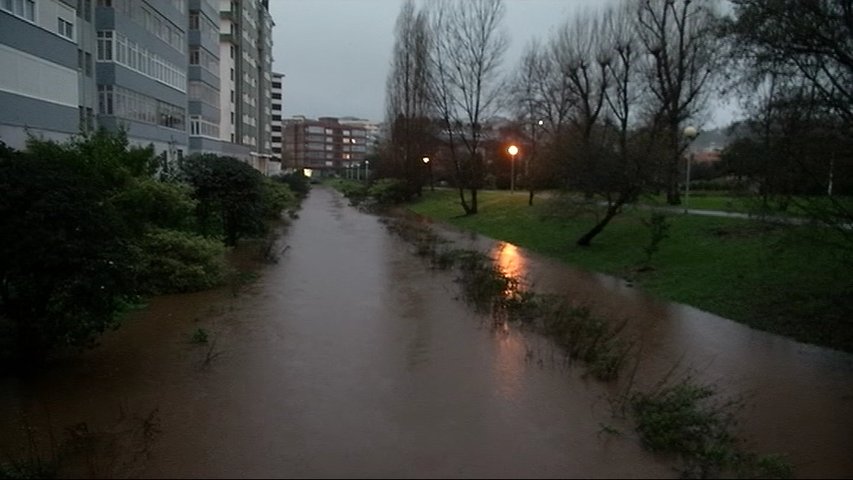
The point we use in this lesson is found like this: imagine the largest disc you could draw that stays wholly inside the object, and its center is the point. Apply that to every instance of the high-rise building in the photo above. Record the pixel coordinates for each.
(39, 65)
(184, 76)
(245, 53)
(141, 71)
(277, 110)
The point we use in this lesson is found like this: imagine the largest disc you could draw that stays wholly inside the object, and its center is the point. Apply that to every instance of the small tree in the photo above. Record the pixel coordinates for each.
(230, 196)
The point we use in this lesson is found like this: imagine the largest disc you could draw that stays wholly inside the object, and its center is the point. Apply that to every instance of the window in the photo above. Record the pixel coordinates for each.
(232, 118)
(88, 64)
(232, 96)
(65, 28)
(105, 46)
(105, 3)
(232, 74)
(276, 96)
(79, 59)
(23, 8)
(193, 20)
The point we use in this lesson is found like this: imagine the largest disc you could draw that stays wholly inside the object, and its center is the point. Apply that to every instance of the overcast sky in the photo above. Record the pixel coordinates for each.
(336, 53)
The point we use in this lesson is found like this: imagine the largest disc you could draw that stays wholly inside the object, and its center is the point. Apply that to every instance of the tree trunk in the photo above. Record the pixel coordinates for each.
(530, 198)
(473, 202)
(586, 239)
(462, 201)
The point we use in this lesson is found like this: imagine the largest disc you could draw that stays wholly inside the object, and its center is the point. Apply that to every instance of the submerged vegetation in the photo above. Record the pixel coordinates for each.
(685, 419)
(93, 225)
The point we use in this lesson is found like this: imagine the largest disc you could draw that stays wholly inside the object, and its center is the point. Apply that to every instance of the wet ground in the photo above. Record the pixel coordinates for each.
(350, 357)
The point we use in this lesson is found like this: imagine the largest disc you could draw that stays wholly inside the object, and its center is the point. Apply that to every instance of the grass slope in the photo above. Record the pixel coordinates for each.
(777, 279)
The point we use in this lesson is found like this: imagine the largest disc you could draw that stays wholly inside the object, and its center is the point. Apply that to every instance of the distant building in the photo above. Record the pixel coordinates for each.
(324, 147)
(277, 108)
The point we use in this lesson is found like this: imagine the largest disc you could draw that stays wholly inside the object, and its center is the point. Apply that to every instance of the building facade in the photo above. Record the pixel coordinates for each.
(277, 110)
(141, 72)
(39, 76)
(324, 147)
(152, 67)
(245, 52)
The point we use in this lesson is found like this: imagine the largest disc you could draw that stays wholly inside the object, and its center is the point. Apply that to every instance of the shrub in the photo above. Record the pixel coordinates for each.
(174, 261)
(299, 184)
(389, 191)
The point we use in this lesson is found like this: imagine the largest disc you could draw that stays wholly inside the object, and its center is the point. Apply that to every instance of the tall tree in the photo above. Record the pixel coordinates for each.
(407, 97)
(800, 55)
(466, 83)
(581, 49)
(683, 54)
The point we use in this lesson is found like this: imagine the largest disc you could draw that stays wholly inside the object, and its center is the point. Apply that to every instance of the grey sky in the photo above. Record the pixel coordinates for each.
(336, 53)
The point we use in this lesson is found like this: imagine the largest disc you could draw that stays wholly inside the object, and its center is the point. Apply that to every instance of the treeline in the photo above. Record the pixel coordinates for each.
(602, 105)
(91, 226)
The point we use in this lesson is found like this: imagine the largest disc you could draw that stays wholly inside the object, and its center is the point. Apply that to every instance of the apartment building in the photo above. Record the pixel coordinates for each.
(323, 147)
(39, 76)
(152, 67)
(277, 110)
(141, 71)
(245, 53)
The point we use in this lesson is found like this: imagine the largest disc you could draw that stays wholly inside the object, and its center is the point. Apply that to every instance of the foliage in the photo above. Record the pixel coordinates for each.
(200, 336)
(276, 198)
(686, 419)
(355, 191)
(175, 261)
(230, 196)
(151, 203)
(389, 191)
(658, 231)
(771, 277)
(65, 266)
(298, 183)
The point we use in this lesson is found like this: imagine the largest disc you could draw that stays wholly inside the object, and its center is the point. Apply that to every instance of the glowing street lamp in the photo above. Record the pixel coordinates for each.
(690, 133)
(429, 170)
(513, 151)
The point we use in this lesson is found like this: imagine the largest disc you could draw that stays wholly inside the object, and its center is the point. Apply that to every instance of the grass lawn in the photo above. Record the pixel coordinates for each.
(780, 279)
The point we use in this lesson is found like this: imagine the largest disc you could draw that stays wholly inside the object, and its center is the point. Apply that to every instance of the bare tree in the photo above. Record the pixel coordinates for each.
(682, 53)
(626, 173)
(407, 97)
(581, 50)
(466, 83)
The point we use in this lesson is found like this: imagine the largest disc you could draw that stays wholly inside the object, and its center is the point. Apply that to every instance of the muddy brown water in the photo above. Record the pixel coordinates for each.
(350, 357)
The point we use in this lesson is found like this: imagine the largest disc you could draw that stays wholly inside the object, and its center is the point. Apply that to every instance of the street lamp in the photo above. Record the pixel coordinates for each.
(429, 172)
(366, 170)
(513, 151)
(690, 133)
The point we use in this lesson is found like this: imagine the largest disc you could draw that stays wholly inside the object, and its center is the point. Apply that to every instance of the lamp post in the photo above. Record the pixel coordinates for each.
(690, 133)
(513, 151)
(429, 172)
(366, 170)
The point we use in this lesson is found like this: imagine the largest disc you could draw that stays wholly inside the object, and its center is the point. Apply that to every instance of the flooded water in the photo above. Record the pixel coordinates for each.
(352, 358)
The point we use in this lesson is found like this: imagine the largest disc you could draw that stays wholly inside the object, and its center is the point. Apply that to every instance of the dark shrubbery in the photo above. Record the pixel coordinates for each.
(298, 183)
(87, 228)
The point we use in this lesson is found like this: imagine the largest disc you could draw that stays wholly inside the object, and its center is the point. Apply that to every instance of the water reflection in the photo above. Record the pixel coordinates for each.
(509, 260)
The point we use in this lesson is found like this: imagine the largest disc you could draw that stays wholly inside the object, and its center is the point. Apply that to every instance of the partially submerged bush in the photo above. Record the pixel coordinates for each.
(174, 261)
(389, 191)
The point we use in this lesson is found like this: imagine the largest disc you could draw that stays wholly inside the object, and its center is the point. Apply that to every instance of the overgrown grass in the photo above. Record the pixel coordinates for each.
(691, 421)
(583, 336)
(785, 280)
(685, 419)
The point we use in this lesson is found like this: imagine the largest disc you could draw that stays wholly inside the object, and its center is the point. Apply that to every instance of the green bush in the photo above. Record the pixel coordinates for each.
(389, 191)
(65, 266)
(174, 261)
(299, 184)
(276, 197)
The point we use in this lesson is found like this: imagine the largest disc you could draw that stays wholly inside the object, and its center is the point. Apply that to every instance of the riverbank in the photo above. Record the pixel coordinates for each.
(774, 278)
